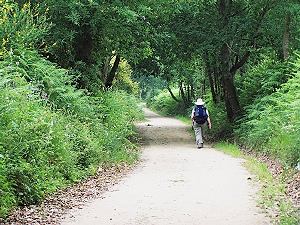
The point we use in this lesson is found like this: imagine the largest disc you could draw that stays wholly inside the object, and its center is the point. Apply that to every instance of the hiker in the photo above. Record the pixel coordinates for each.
(200, 118)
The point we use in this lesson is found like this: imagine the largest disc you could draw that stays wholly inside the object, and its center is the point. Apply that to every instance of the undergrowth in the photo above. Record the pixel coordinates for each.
(51, 133)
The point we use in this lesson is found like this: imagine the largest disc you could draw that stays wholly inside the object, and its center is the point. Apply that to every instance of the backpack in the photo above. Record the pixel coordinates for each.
(200, 114)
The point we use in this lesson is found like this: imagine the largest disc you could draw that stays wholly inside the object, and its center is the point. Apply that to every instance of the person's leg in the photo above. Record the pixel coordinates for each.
(198, 134)
(202, 132)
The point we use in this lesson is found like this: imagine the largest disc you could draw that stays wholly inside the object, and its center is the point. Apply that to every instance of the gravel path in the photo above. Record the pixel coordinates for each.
(176, 184)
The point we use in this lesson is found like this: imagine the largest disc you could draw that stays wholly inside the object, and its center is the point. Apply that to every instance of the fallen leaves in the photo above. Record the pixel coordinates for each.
(293, 189)
(54, 207)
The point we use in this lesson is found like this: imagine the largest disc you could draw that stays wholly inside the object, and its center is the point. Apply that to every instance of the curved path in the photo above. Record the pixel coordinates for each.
(176, 184)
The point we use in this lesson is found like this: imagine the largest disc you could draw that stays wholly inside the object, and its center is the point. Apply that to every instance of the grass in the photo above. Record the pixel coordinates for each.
(272, 196)
(229, 149)
(184, 119)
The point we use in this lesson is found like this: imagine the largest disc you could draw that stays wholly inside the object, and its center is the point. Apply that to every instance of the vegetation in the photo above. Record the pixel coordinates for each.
(241, 58)
(68, 67)
(52, 133)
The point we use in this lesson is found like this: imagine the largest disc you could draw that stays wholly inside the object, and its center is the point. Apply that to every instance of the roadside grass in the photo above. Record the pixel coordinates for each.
(272, 195)
(229, 149)
(184, 119)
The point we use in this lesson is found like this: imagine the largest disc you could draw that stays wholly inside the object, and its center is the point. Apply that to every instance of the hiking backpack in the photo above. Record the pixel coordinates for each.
(200, 114)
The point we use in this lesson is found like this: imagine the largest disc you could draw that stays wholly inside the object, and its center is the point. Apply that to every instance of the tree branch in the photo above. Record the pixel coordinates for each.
(112, 74)
(240, 63)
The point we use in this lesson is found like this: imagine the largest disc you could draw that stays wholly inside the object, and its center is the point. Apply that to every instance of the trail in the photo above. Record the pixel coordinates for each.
(176, 184)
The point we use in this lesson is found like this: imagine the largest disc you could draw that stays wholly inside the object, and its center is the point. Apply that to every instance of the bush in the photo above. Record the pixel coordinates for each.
(42, 150)
(221, 128)
(51, 134)
(123, 80)
(263, 79)
(272, 123)
(165, 104)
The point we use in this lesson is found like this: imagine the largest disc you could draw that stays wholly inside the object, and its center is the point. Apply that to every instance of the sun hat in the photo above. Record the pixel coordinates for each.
(199, 102)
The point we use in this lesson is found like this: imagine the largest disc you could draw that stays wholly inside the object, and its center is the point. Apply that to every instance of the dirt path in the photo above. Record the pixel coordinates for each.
(176, 184)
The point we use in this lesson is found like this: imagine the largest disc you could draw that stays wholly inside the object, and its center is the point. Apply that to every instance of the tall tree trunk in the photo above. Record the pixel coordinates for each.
(286, 37)
(233, 108)
(112, 73)
(227, 71)
(217, 84)
(172, 94)
(192, 91)
(105, 69)
(188, 94)
(182, 94)
(211, 82)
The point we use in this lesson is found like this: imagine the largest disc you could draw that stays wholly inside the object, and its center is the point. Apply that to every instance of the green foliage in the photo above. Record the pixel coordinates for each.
(272, 123)
(86, 33)
(221, 127)
(150, 86)
(52, 134)
(229, 149)
(124, 81)
(20, 27)
(42, 150)
(165, 104)
(120, 111)
(263, 79)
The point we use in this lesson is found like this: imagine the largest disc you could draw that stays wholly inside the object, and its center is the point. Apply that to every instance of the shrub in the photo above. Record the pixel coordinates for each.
(272, 123)
(51, 134)
(221, 127)
(263, 79)
(165, 104)
(124, 81)
(42, 150)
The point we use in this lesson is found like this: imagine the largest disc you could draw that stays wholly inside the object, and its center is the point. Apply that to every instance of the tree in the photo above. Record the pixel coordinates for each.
(86, 35)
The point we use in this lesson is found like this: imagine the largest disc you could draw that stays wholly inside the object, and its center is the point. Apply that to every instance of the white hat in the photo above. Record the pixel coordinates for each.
(199, 102)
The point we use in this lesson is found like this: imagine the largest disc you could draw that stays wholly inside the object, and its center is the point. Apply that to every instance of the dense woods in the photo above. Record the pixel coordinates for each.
(71, 71)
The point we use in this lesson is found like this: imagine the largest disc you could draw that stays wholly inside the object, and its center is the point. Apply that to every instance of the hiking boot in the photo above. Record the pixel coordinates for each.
(200, 146)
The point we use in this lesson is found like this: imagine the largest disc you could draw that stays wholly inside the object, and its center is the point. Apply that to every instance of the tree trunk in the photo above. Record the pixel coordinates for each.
(192, 91)
(188, 93)
(112, 73)
(233, 108)
(211, 83)
(181, 90)
(172, 95)
(227, 71)
(218, 85)
(105, 69)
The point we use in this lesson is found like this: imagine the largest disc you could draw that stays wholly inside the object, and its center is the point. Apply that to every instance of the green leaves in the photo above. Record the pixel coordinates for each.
(52, 134)
(272, 122)
(20, 27)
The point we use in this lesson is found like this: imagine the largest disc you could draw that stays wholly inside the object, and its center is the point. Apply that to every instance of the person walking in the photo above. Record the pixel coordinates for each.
(200, 117)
